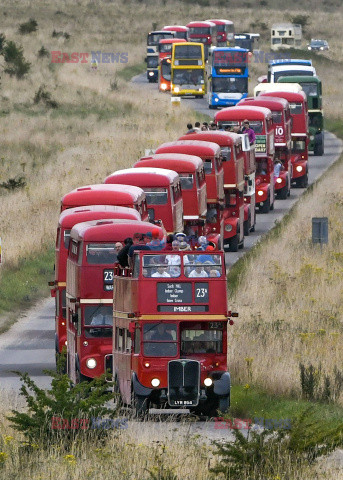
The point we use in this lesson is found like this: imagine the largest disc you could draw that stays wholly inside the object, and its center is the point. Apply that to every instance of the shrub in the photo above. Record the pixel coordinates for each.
(63, 411)
(2, 43)
(60, 34)
(302, 20)
(44, 96)
(43, 52)
(28, 27)
(16, 65)
(13, 183)
(278, 454)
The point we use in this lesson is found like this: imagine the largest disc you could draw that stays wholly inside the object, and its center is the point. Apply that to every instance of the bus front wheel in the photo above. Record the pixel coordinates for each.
(140, 405)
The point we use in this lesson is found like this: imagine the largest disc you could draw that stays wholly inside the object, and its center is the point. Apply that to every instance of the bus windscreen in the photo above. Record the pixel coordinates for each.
(187, 51)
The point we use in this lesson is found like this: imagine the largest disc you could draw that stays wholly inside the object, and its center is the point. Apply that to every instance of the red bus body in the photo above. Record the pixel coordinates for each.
(149, 368)
(203, 32)
(68, 219)
(165, 47)
(225, 32)
(299, 133)
(210, 153)
(90, 271)
(261, 121)
(193, 186)
(282, 127)
(100, 194)
(163, 193)
(164, 75)
(180, 31)
(233, 166)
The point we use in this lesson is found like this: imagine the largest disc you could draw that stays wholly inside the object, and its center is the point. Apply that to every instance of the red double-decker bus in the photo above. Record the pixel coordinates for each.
(100, 194)
(282, 130)
(261, 121)
(203, 32)
(89, 291)
(299, 134)
(225, 32)
(214, 174)
(233, 165)
(170, 332)
(67, 220)
(163, 193)
(193, 187)
(179, 31)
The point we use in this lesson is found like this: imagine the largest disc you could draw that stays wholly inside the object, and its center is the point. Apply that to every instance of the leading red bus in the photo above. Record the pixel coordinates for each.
(170, 332)
(89, 292)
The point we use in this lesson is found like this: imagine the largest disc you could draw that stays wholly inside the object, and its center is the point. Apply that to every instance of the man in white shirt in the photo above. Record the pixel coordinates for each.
(160, 272)
(198, 272)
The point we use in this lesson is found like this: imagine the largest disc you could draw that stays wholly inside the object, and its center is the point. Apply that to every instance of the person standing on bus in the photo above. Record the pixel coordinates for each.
(247, 129)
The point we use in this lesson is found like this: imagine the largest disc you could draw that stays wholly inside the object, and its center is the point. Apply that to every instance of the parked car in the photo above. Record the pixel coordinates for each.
(318, 45)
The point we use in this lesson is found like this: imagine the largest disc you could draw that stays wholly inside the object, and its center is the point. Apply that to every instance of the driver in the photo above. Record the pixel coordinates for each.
(160, 333)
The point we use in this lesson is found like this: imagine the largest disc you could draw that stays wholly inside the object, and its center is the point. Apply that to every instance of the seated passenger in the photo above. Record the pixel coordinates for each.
(198, 272)
(161, 272)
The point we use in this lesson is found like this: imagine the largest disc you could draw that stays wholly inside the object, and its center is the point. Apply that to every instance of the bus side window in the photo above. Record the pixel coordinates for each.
(137, 340)
(128, 342)
(79, 253)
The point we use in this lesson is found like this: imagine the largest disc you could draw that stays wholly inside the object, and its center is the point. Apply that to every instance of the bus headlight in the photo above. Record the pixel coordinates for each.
(216, 99)
(91, 363)
(176, 89)
(151, 74)
(279, 180)
(299, 168)
(155, 382)
(260, 193)
(200, 89)
(163, 86)
(228, 227)
(208, 382)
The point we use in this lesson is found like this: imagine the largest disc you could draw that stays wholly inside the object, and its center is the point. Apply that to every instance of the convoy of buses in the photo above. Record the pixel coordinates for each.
(140, 278)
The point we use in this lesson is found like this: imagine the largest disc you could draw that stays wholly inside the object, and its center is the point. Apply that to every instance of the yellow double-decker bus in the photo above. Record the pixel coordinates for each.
(188, 69)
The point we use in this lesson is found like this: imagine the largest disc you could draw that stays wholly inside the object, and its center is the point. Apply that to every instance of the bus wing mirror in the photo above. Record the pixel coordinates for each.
(132, 327)
(74, 317)
(250, 183)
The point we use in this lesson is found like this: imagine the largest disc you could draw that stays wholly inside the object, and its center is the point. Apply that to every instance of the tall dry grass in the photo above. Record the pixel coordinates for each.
(290, 299)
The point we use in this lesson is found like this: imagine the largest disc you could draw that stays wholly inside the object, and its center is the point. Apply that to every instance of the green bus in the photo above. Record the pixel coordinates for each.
(312, 86)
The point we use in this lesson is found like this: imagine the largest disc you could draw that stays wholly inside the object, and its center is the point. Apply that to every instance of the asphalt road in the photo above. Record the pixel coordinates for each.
(29, 345)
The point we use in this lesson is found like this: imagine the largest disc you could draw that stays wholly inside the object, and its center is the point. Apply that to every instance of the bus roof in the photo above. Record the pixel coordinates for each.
(154, 32)
(200, 23)
(112, 230)
(178, 162)
(299, 79)
(72, 216)
(103, 194)
(274, 87)
(290, 96)
(229, 49)
(273, 103)
(243, 112)
(220, 21)
(290, 61)
(191, 147)
(176, 28)
(293, 68)
(172, 40)
(146, 177)
(214, 136)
